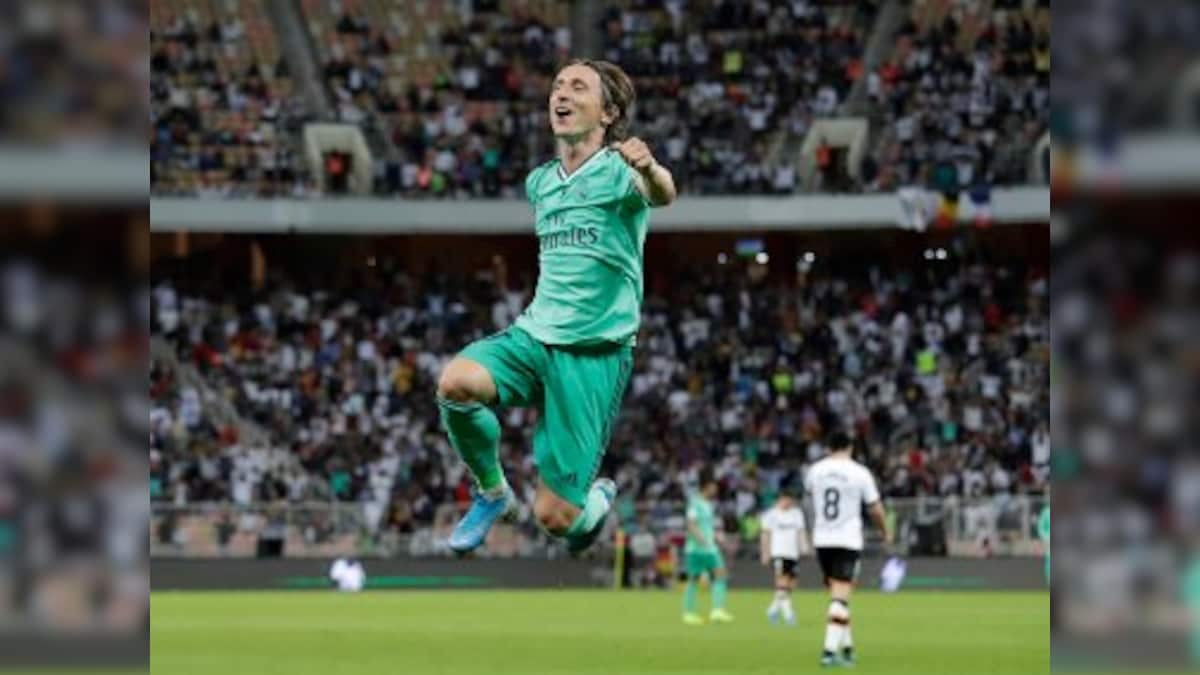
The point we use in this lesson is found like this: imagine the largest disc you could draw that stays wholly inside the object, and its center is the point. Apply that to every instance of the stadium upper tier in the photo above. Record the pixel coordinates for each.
(450, 96)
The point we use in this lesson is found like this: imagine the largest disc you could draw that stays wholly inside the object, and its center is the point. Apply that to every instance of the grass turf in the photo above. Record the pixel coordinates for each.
(584, 632)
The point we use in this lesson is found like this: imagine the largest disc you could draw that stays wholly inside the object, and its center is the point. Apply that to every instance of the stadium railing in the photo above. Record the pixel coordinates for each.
(998, 526)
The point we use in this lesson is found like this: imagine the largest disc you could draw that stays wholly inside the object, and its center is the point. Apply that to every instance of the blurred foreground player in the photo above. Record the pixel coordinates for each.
(571, 352)
(840, 487)
(702, 556)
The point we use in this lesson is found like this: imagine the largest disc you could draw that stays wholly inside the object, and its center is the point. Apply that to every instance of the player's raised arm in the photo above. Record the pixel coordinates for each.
(654, 180)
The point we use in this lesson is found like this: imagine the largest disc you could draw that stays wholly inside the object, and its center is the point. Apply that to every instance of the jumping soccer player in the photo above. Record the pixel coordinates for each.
(840, 487)
(570, 353)
(783, 540)
(702, 556)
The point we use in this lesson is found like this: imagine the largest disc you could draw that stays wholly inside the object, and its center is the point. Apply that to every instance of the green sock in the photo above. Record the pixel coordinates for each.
(474, 432)
(689, 597)
(718, 594)
(593, 510)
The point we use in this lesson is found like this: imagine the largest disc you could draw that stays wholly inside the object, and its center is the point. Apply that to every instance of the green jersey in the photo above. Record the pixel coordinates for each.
(1190, 583)
(591, 228)
(700, 511)
(1044, 525)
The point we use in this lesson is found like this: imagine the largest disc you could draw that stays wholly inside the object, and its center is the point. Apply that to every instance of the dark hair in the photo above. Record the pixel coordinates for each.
(839, 440)
(616, 91)
(705, 476)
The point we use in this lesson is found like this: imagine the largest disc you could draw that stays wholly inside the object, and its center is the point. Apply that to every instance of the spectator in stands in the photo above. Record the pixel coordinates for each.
(824, 160)
(337, 171)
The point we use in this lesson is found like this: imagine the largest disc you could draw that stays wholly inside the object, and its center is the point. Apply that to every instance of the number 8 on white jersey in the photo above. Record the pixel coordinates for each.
(839, 488)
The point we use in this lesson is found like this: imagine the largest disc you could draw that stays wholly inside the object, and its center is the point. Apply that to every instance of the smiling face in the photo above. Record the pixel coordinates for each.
(577, 103)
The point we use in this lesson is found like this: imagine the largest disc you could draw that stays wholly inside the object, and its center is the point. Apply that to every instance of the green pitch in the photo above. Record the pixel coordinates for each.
(578, 632)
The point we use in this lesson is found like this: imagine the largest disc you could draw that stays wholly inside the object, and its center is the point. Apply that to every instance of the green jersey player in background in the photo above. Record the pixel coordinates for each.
(570, 353)
(1044, 534)
(701, 553)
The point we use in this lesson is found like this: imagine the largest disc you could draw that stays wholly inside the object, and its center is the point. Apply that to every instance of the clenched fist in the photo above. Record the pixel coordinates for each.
(636, 154)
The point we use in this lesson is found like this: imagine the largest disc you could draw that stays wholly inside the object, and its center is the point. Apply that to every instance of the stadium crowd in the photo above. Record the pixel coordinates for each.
(74, 74)
(224, 113)
(964, 97)
(476, 125)
(451, 96)
(942, 374)
(721, 88)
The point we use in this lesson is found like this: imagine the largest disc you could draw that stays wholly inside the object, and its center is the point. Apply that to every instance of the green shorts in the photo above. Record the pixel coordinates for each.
(577, 391)
(699, 562)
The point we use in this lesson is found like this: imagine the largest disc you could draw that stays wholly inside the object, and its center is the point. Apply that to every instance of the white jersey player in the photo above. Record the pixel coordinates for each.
(840, 487)
(347, 575)
(783, 540)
